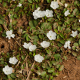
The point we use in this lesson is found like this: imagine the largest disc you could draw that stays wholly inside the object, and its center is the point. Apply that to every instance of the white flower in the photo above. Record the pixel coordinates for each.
(49, 13)
(66, 13)
(38, 58)
(74, 33)
(51, 35)
(45, 44)
(38, 14)
(32, 47)
(79, 20)
(19, 5)
(66, 4)
(38, 8)
(7, 70)
(27, 45)
(67, 44)
(54, 4)
(9, 34)
(35, 14)
(13, 60)
(13, 0)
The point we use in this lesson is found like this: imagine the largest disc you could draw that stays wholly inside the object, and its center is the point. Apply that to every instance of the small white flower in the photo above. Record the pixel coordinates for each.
(7, 70)
(49, 13)
(38, 58)
(66, 4)
(19, 5)
(38, 8)
(51, 35)
(9, 34)
(27, 45)
(79, 20)
(32, 47)
(38, 14)
(45, 44)
(13, 60)
(66, 13)
(74, 33)
(35, 14)
(54, 4)
(67, 44)
(13, 0)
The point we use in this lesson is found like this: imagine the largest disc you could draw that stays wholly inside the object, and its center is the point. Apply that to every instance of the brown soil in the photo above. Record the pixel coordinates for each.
(71, 70)
(5, 46)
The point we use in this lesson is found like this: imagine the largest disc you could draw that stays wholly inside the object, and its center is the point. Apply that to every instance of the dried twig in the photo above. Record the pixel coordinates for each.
(18, 64)
(59, 2)
(27, 67)
(30, 71)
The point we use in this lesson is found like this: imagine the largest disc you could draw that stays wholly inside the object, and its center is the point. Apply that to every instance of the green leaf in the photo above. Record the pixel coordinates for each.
(74, 53)
(1, 22)
(78, 29)
(13, 75)
(4, 34)
(4, 4)
(62, 41)
(9, 77)
(0, 29)
(43, 73)
(76, 44)
(56, 30)
(57, 56)
(27, 38)
(50, 19)
(61, 68)
(35, 38)
(51, 70)
(46, 25)
(79, 41)
(79, 35)
(61, 35)
(78, 57)
(48, 1)
(33, 23)
(30, 1)
(0, 1)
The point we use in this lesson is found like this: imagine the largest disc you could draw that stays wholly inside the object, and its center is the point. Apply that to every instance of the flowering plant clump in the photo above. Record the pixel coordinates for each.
(44, 32)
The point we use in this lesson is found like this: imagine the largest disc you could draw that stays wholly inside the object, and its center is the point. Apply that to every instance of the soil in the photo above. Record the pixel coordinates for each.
(5, 45)
(71, 70)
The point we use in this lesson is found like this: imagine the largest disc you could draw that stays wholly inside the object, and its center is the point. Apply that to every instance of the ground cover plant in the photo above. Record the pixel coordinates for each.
(36, 36)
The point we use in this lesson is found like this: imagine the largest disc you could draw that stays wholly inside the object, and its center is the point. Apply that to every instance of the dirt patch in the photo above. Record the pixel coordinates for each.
(71, 70)
(6, 46)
